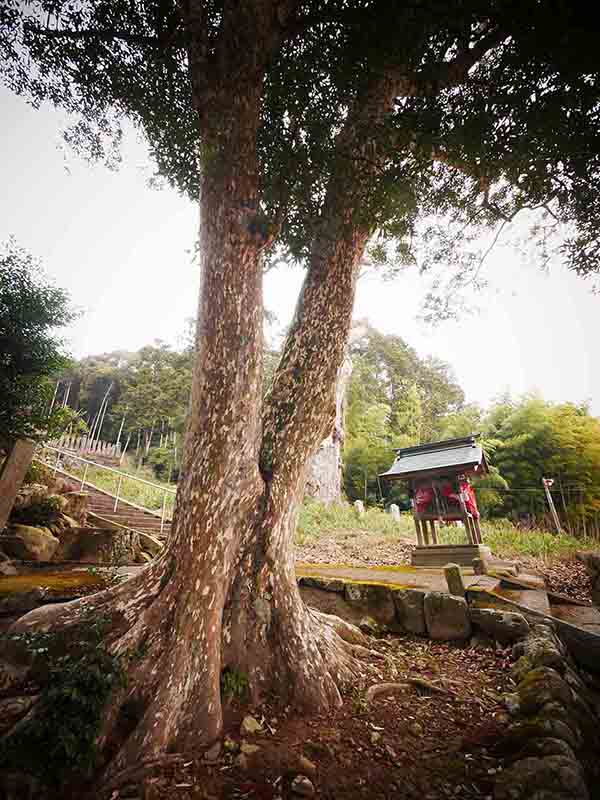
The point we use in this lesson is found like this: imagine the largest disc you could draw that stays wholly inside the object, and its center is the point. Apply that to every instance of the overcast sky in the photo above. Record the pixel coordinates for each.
(123, 252)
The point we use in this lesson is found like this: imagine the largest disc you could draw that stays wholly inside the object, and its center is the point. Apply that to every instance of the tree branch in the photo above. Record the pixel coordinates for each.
(102, 35)
(446, 74)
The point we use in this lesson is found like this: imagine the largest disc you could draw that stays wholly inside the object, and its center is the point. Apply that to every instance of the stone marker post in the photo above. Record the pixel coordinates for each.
(359, 507)
(395, 512)
(454, 579)
(11, 476)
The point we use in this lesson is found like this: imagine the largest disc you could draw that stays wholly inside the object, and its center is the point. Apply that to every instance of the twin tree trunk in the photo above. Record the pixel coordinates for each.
(223, 594)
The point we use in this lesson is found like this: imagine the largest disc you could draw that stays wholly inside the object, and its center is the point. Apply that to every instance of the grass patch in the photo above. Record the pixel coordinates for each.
(508, 541)
(504, 538)
(317, 519)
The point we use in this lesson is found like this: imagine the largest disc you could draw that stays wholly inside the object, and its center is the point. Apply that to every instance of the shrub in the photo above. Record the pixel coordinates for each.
(38, 473)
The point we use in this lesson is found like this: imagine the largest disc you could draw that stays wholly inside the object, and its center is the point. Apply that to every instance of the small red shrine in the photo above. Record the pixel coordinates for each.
(438, 475)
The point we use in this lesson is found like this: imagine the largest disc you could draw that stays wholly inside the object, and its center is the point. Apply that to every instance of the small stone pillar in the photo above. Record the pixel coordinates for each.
(394, 512)
(480, 566)
(359, 507)
(454, 579)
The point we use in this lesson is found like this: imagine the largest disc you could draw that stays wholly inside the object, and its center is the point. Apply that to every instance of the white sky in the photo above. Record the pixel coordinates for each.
(123, 252)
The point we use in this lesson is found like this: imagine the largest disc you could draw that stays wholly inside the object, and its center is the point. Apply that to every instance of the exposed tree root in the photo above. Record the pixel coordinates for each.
(345, 630)
(385, 688)
(139, 772)
(421, 683)
(404, 686)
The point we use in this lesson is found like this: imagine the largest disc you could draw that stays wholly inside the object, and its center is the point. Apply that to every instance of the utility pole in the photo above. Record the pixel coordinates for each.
(547, 483)
(121, 428)
(101, 414)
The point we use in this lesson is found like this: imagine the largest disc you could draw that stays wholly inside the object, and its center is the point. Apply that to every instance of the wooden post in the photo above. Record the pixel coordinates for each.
(425, 531)
(470, 529)
(11, 476)
(433, 531)
(418, 530)
(478, 530)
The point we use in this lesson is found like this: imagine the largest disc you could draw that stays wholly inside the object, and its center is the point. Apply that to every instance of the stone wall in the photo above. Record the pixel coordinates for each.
(552, 744)
(554, 733)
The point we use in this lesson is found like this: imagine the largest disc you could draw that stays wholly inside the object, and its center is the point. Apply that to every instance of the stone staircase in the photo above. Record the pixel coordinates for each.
(118, 511)
(127, 515)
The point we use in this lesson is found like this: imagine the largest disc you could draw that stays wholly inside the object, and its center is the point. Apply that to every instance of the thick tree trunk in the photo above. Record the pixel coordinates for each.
(223, 594)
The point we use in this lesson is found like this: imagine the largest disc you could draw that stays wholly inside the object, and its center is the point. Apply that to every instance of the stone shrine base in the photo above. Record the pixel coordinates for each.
(438, 555)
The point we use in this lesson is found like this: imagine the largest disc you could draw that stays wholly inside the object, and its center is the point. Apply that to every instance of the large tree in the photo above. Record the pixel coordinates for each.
(304, 127)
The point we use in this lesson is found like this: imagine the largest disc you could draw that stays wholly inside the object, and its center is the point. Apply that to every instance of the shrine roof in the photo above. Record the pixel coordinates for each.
(452, 455)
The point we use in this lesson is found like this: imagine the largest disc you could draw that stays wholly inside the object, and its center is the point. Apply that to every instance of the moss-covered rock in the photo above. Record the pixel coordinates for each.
(542, 648)
(504, 626)
(540, 686)
(528, 777)
(547, 747)
(28, 543)
(520, 734)
(410, 611)
(326, 584)
(376, 602)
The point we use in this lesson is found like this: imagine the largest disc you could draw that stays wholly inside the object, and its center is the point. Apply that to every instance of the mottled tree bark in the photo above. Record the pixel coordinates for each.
(223, 593)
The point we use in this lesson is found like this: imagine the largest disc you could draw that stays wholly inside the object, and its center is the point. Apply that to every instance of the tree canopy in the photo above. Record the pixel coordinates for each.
(495, 111)
(31, 309)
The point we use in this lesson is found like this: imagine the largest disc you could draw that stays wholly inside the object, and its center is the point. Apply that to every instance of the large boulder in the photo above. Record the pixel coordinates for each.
(446, 617)
(29, 544)
(374, 601)
(504, 626)
(410, 612)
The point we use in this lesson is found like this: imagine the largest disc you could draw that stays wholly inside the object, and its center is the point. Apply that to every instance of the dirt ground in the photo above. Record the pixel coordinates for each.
(419, 745)
(358, 548)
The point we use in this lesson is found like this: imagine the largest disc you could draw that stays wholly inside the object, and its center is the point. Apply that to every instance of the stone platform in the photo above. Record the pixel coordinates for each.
(438, 555)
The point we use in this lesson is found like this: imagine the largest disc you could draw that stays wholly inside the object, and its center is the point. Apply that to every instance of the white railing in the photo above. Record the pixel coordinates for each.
(164, 490)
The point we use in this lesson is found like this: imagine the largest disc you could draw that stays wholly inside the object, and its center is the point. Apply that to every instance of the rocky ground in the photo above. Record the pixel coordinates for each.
(359, 548)
(355, 548)
(426, 744)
